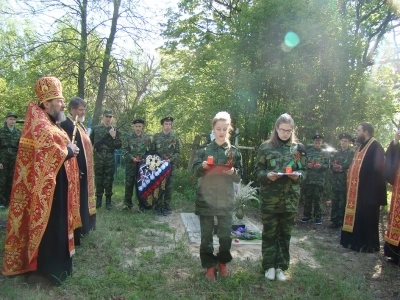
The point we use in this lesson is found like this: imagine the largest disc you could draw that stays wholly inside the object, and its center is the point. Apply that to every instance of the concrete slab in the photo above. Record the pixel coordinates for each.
(191, 223)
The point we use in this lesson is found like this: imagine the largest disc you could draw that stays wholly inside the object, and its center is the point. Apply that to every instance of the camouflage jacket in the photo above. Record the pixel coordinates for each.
(8, 140)
(340, 163)
(283, 194)
(215, 193)
(100, 131)
(316, 157)
(166, 145)
(135, 146)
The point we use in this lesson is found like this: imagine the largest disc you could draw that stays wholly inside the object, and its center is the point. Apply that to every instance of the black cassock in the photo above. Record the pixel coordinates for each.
(371, 195)
(88, 221)
(54, 260)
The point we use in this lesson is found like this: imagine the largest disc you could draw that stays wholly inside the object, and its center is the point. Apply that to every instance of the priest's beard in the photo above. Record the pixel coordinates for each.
(360, 139)
(59, 116)
(81, 119)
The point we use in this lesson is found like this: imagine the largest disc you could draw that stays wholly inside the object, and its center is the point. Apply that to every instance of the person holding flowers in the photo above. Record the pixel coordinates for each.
(217, 165)
(280, 167)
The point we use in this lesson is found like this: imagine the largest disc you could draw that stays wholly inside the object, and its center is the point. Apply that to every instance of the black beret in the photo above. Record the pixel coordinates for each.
(11, 114)
(318, 137)
(138, 121)
(344, 136)
(166, 119)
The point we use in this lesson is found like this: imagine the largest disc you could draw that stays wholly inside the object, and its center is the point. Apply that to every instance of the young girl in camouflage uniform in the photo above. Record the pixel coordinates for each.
(215, 194)
(279, 194)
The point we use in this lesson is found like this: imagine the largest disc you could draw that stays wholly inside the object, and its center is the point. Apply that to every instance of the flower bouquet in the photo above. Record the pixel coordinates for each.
(242, 233)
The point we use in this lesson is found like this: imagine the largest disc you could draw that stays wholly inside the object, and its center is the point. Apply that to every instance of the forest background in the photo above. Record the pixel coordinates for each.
(217, 55)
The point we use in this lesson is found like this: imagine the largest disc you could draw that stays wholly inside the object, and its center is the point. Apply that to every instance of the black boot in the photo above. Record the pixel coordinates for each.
(108, 203)
(99, 201)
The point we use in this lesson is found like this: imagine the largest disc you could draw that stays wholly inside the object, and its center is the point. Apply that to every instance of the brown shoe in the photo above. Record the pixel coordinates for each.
(210, 273)
(223, 269)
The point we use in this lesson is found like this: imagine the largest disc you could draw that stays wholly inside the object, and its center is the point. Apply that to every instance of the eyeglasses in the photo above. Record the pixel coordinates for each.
(281, 130)
(108, 116)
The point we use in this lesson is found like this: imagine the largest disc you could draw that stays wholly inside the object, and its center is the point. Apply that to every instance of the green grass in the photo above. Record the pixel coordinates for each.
(138, 256)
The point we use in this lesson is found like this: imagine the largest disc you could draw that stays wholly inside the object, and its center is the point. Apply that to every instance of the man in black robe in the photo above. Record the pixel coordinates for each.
(366, 192)
(77, 110)
(44, 199)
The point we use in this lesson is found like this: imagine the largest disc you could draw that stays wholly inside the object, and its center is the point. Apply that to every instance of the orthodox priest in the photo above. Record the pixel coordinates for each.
(366, 192)
(45, 193)
(392, 174)
(77, 132)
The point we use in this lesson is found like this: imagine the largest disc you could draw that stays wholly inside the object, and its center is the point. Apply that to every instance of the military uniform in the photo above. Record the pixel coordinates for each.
(279, 199)
(340, 163)
(215, 197)
(135, 147)
(314, 184)
(167, 147)
(9, 140)
(104, 160)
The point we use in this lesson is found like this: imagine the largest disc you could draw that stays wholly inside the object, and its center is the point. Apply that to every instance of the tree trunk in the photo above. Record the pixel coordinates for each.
(196, 144)
(82, 51)
(106, 64)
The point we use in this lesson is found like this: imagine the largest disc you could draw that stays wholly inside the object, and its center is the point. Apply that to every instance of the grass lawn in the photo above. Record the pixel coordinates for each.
(139, 256)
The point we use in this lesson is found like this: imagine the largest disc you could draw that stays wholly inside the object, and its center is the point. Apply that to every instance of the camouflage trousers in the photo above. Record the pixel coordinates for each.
(165, 200)
(313, 195)
(338, 206)
(6, 178)
(207, 257)
(276, 240)
(130, 182)
(104, 173)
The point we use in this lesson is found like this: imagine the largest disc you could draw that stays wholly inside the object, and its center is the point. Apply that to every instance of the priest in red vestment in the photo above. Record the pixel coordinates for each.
(366, 192)
(44, 203)
(392, 174)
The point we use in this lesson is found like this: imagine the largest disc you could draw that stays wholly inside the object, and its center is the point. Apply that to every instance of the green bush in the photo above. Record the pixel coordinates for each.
(185, 184)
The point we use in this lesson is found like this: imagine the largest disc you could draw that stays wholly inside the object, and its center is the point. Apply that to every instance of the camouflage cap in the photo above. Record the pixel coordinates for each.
(138, 121)
(344, 136)
(166, 119)
(108, 113)
(11, 114)
(318, 137)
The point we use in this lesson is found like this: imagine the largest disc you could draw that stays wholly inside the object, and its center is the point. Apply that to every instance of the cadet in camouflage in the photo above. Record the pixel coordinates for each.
(340, 163)
(9, 139)
(317, 165)
(105, 140)
(215, 194)
(279, 193)
(135, 146)
(166, 145)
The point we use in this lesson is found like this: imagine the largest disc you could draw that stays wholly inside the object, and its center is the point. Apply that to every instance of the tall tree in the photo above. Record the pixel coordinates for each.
(121, 18)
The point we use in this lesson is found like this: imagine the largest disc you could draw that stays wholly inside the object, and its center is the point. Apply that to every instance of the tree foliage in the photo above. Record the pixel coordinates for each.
(232, 55)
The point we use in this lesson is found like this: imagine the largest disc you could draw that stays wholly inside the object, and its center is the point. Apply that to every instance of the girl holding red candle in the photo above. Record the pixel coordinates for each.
(217, 165)
(280, 193)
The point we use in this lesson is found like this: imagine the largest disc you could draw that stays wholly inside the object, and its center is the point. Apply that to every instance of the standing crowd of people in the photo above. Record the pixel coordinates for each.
(285, 169)
(53, 175)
